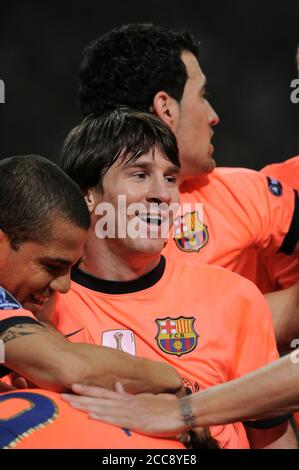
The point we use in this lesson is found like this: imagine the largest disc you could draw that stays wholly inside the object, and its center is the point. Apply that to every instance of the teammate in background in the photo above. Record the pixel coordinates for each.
(43, 227)
(242, 209)
(210, 323)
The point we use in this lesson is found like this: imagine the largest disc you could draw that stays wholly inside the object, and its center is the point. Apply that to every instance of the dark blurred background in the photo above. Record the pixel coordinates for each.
(248, 53)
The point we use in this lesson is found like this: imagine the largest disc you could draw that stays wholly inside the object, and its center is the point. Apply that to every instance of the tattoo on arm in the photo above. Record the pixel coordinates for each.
(186, 411)
(23, 329)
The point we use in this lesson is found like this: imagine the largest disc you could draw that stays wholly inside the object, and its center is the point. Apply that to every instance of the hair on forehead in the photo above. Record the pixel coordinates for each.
(121, 135)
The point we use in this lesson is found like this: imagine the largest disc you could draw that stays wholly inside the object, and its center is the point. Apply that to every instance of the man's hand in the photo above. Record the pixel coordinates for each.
(146, 413)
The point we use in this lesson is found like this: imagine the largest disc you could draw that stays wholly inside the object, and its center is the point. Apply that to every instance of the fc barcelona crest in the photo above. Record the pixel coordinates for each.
(190, 234)
(176, 335)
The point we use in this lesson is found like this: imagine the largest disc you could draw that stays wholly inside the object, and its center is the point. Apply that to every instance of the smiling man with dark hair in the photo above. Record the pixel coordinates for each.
(155, 69)
(44, 223)
(209, 323)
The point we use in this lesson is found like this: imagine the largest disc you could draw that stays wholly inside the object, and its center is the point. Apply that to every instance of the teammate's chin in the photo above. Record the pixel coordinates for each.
(208, 164)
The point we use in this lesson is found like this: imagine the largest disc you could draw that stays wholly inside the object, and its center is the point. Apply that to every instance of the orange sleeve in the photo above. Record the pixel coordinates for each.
(287, 171)
(284, 270)
(266, 207)
(9, 318)
(255, 345)
(5, 314)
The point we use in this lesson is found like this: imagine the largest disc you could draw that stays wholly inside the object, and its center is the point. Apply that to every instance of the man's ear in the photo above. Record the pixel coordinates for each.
(166, 108)
(90, 200)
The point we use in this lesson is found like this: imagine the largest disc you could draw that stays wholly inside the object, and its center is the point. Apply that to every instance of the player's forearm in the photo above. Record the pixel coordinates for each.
(49, 361)
(270, 391)
(108, 366)
(284, 306)
(154, 377)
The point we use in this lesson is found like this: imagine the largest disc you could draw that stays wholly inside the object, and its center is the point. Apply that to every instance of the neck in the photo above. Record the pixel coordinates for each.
(108, 263)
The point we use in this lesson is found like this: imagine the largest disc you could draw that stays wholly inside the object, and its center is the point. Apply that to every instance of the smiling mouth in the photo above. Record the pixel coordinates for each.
(151, 220)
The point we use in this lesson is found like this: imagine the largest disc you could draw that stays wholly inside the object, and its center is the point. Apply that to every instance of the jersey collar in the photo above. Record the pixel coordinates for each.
(120, 287)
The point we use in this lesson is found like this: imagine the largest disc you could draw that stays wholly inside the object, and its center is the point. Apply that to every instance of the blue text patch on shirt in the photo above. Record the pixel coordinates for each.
(275, 186)
(7, 301)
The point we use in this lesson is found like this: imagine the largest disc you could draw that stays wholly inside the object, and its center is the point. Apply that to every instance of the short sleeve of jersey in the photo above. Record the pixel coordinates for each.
(287, 171)
(256, 345)
(282, 270)
(268, 208)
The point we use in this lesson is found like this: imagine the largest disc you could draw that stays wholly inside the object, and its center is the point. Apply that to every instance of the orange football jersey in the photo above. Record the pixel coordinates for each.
(212, 325)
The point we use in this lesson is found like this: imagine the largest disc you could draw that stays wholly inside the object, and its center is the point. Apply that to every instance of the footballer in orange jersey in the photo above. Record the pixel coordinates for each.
(43, 228)
(242, 209)
(209, 323)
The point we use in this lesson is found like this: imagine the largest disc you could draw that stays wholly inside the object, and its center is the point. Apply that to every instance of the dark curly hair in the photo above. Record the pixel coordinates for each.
(129, 65)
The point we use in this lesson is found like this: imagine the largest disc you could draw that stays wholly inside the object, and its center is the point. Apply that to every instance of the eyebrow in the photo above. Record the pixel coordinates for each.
(63, 261)
(145, 165)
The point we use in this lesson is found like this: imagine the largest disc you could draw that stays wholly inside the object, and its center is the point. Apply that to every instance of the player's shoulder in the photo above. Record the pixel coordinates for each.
(230, 177)
(210, 274)
(233, 180)
(274, 168)
(251, 183)
(236, 175)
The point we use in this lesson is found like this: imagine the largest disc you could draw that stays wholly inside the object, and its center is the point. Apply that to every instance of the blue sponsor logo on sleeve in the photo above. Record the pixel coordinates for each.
(275, 186)
(7, 301)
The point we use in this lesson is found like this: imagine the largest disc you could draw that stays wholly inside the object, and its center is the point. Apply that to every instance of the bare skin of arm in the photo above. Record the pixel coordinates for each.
(46, 359)
(284, 306)
(268, 392)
